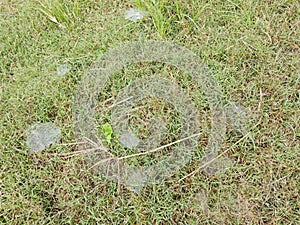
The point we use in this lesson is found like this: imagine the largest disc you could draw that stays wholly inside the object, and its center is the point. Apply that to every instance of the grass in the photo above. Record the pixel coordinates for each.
(252, 48)
(64, 14)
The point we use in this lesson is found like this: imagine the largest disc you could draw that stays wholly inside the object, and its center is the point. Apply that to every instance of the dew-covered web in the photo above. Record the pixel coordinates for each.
(181, 150)
(41, 136)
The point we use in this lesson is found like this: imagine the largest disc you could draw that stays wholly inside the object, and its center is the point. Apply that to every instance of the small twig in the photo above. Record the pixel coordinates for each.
(105, 101)
(80, 152)
(101, 161)
(97, 146)
(120, 102)
(102, 104)
(159, 148)
(146, 153)
(72, 143)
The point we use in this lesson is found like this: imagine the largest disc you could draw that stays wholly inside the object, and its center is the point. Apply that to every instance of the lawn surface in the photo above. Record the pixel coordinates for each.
(252, 47)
